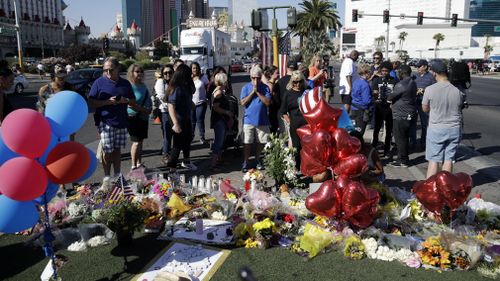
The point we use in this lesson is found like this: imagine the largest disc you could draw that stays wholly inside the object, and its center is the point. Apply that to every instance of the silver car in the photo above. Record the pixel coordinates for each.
(20, 83)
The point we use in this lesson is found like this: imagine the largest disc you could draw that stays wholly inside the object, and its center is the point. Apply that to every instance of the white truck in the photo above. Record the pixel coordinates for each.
(207, 46)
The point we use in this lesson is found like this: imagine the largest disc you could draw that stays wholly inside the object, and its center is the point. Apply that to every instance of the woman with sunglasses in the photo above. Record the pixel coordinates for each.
(138, 114)
(200, 100)
(290, 109)
(161, 87)
(180, 105)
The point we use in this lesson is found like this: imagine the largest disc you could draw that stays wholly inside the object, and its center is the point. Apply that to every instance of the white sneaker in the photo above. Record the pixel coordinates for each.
(189, 166)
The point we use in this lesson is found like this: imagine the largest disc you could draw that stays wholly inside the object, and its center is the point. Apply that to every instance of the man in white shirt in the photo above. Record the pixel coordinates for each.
(348, 74)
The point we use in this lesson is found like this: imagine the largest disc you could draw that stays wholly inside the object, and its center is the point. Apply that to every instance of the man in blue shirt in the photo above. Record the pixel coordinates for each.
(111, 95)
(423, 80)
(255, 97)
(362, 99)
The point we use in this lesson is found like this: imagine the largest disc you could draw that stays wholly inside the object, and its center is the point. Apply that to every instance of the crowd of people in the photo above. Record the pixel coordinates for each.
(387, 94)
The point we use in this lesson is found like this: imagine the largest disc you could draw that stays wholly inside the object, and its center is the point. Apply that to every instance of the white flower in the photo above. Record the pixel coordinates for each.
(77, 246)
(267, 146)
(76, 209)
(371, 246)
(218, 216)
(98, 214)
(98, 241)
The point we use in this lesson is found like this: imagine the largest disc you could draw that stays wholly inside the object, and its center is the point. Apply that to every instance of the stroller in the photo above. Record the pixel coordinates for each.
(232, 135)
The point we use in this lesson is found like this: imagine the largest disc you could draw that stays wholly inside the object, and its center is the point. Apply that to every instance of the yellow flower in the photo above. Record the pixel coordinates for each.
(250, 243)
(230, 196)
(354, 248)
(265, 224)
(321, 221)
(242, 229)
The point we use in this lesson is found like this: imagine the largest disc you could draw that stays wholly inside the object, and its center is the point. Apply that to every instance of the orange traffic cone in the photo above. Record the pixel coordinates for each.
(157, 121)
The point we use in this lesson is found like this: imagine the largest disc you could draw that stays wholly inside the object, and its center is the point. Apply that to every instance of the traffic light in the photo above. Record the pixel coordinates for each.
(291, 17)
(105, 43)
(420, 18)
(256, 19)
(354, 15)
(454, 19)
(386, 16)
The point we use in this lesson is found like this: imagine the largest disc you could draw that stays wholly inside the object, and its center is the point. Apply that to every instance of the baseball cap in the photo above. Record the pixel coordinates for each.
(395, 58)
(421, 62)
(439, 66)
(292, 64)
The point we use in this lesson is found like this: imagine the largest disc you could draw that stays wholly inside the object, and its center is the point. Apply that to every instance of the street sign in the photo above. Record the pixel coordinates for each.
(7, 31)
(496, 28)
(196, 22)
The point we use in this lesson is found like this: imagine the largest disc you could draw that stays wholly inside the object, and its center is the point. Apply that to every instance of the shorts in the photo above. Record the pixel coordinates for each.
(250, 132)
(346, 99)
(137, 129)
(442, 143)
(112, 138)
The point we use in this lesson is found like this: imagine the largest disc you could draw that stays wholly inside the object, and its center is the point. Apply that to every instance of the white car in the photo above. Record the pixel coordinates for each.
(20, 83)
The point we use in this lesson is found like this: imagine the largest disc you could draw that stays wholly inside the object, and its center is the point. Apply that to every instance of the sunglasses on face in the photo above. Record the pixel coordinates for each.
(376, 58)
(108, 70)
(297, 82)
(167, 72)
(256, 77)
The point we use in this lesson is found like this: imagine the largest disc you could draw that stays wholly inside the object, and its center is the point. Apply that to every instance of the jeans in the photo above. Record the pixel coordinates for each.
(383, 113)
(198, 117)
(401, 135)
(182, 141)
(220, 137)
(166, 129)
(424, 120)
(357, 117)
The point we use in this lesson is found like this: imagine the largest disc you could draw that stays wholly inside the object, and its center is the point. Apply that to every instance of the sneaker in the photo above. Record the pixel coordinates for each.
(244, 168)
(203, 141)
(259, 166)
(399, 164)
(190, 166)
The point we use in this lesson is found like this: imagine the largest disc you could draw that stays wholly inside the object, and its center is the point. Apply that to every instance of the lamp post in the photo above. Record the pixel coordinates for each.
(18, 33)
(41, 29)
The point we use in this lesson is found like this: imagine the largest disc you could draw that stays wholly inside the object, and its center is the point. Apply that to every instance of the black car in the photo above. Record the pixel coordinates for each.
(82, 79)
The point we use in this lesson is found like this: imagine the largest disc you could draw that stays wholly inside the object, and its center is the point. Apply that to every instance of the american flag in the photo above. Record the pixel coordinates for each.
(121, 190)
(266, 49)
(283, 53)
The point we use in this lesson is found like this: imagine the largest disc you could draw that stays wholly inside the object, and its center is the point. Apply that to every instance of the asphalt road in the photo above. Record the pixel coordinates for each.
(482, 118)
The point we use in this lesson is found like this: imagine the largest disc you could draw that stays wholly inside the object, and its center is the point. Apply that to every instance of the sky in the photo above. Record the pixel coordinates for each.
(100, 15)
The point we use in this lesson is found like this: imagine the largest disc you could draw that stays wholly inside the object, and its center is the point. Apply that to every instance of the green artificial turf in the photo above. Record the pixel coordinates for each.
(18, 262)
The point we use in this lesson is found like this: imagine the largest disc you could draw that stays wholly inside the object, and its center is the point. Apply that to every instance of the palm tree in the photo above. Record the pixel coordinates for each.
(393, 45)
(379, 41)
(402, 38)
(317, 16)
(438, 37)
(487, 47)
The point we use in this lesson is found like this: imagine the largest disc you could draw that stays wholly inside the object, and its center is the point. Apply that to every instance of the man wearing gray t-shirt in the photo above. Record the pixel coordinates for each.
(444, 102)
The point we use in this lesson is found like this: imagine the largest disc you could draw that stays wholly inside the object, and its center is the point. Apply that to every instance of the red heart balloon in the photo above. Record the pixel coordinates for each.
(326, 201)
(343, 181)
(455, 188)
(318, 145)
(352, 166)
(304, 131)
(310, 166)
(323, 116)
(345, 144)
(359, 204)
(429, 195)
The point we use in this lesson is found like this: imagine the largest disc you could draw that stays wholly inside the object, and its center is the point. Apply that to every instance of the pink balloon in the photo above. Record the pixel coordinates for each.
(22, 179)
(26, 132)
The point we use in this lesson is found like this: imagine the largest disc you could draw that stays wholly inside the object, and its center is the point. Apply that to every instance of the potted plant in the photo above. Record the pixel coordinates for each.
(124, 218)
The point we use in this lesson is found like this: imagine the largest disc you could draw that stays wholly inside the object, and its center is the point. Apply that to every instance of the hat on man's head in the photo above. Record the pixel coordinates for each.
(421, 62)
(439, 66)
(395, 58)
(292, 64)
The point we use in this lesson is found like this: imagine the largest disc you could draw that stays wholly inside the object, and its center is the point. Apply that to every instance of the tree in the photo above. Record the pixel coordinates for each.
(487, 47)
(402, 38)
(316, 17)
(78, 53)
(317, 43)
(393, 45)
(438, 37)
(379, 42)
(117, 54)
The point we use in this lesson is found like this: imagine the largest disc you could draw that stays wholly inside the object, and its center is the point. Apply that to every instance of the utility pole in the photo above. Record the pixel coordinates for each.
(18, 32)
(387, 35)
(274, 30)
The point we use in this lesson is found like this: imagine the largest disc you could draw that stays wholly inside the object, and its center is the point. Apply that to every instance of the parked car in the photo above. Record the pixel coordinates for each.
(237, 66)
(82, 79)
(20, 83)
(247, 64)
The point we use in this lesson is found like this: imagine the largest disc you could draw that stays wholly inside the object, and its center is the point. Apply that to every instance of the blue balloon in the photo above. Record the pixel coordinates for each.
(91, 168)
(50, 193)
(344, 121)
(5, 153)
(54, 140)
(16, 215)
(66, 111)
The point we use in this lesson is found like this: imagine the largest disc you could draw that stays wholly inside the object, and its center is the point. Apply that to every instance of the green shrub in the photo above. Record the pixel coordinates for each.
(148, 64)
(165, 60)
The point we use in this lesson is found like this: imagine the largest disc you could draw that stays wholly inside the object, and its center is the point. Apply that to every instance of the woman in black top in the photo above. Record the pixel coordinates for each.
(6, 82)
(221, 117)
(179, 98)
(290, 109)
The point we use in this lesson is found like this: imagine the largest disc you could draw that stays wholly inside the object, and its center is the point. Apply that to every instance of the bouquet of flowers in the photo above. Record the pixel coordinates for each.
(434, 254)
(163, 189)
(279, 160)
(354, 248)
(264, 232)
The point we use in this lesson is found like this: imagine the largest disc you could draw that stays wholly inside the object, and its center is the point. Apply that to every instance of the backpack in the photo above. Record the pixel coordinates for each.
(460, 75)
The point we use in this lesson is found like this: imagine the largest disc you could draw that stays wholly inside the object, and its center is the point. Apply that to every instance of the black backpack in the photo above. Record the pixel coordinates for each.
(460, 75)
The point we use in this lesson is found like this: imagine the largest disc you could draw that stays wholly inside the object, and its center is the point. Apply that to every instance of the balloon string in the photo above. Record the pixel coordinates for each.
(49, 237)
